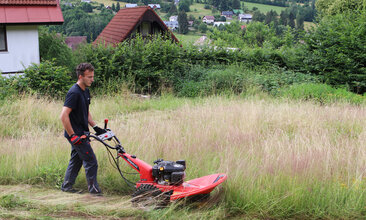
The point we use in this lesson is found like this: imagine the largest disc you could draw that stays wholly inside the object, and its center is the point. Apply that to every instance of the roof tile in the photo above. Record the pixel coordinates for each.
(28, 2)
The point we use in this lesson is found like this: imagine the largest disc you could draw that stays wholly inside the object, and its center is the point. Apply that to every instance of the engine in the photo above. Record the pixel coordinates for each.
(169, 172)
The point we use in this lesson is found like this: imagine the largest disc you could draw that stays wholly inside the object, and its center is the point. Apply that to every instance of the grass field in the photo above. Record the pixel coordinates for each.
(198, 10)
(264, 8)
(187, 39)
(284, 159)
(110, 2)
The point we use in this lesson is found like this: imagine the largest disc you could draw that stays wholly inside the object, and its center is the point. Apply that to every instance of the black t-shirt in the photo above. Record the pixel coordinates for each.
(78, 100)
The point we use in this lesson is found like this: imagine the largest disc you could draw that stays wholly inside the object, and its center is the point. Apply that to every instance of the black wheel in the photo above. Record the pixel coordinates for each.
(149, 196)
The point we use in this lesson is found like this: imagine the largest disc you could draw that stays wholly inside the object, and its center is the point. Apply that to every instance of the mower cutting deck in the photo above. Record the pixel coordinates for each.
(162, 182)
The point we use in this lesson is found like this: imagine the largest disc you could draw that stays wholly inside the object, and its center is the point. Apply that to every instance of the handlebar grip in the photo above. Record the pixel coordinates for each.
(105, 123)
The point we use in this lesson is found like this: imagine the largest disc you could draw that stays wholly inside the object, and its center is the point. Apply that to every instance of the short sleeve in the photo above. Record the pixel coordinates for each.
(71, 100)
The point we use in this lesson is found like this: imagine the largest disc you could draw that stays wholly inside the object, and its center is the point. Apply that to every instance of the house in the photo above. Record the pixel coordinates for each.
(227, 14)
(173, 18)
(154, 6)
(74, 41)
(19, 21)
(208, 19)
(172, 25)
(129, 22)
(245, 17)
(130, 5)
(218, 23)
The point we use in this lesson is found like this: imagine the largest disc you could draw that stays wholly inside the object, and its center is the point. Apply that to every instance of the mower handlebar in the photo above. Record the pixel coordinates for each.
(107, 136)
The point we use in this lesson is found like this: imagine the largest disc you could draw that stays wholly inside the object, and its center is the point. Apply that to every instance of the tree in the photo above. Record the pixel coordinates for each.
(258, 16)
(283, 18)
(271, 16)
(118, 7)
(173, 10)
(236, 4)
(291, 20)
(202, 28)
(113, 7)
(336, 50)
(183, 22)
(183, 6)
(300, 22)
(333, 7)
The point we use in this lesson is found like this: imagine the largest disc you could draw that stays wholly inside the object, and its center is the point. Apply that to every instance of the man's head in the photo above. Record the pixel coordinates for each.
(85, 74)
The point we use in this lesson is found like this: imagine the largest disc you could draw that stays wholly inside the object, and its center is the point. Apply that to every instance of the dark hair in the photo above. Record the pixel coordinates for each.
(80, 69)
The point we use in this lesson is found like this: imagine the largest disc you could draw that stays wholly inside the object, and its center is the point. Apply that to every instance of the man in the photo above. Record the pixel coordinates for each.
(75, 117)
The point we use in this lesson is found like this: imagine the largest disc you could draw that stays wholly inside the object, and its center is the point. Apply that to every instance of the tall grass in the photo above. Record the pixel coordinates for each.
(284, 159)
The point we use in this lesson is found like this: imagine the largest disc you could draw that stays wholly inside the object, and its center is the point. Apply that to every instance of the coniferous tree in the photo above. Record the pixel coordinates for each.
(182, 22)
(113, 7)
(118, 7)
(173, 10)
(300, 22)
(291, 20)
(258, 16)
(283, 18)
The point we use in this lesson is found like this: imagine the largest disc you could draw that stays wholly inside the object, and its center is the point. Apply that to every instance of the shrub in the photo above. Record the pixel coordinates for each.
(321, 93)
(336, 50)
(46, 79)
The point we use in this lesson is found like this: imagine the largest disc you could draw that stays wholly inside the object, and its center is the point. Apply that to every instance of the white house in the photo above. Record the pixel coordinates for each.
(172, 25)
(19, 21)
(245, 17)
(130, 5)
(173, 18)
(208, 19)
(218, 23)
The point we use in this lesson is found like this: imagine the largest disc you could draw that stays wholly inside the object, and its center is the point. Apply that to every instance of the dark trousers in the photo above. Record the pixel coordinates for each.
(82, 155)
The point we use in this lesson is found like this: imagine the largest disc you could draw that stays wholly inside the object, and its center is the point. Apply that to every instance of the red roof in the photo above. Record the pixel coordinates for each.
(125, 21)
(74, 41)
(30, 12)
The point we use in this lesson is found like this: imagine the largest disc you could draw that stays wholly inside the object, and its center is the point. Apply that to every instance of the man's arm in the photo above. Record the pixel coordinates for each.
(90, 120)
(65, 119)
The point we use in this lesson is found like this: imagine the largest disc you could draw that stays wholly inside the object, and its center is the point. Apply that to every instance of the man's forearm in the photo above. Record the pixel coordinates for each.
(67, 125)
(90, 120)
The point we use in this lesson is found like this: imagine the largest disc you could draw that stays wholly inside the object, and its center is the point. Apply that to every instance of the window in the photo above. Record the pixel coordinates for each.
(3, 44)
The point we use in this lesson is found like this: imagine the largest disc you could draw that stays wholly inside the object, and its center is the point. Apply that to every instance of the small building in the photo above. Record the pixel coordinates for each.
(176, 2)
(218, 23)
(172, 25)
(86, 1)
(130, 5)
(227, 14)
(245, 18)
(173, 18)
(154, 6)
(74, 41)
(129, 22)
(208, 19)
(19, 21)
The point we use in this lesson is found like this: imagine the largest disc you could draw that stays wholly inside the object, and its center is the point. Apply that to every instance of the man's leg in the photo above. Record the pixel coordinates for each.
(90, 164)
(72, 170)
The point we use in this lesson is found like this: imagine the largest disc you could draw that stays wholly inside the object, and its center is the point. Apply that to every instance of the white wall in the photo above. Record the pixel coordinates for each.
(23, 48)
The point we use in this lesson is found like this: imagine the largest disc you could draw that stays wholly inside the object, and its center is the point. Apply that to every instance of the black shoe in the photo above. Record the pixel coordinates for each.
(72, 190)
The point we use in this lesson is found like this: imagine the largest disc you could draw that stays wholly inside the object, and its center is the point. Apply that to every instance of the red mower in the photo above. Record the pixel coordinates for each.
(161, 183)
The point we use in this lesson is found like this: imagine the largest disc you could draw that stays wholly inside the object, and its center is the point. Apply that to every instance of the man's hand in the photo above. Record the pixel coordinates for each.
(77, 140)
(99, 130)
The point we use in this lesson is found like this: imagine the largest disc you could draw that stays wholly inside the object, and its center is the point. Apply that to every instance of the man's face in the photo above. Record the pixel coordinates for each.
(88, 78)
